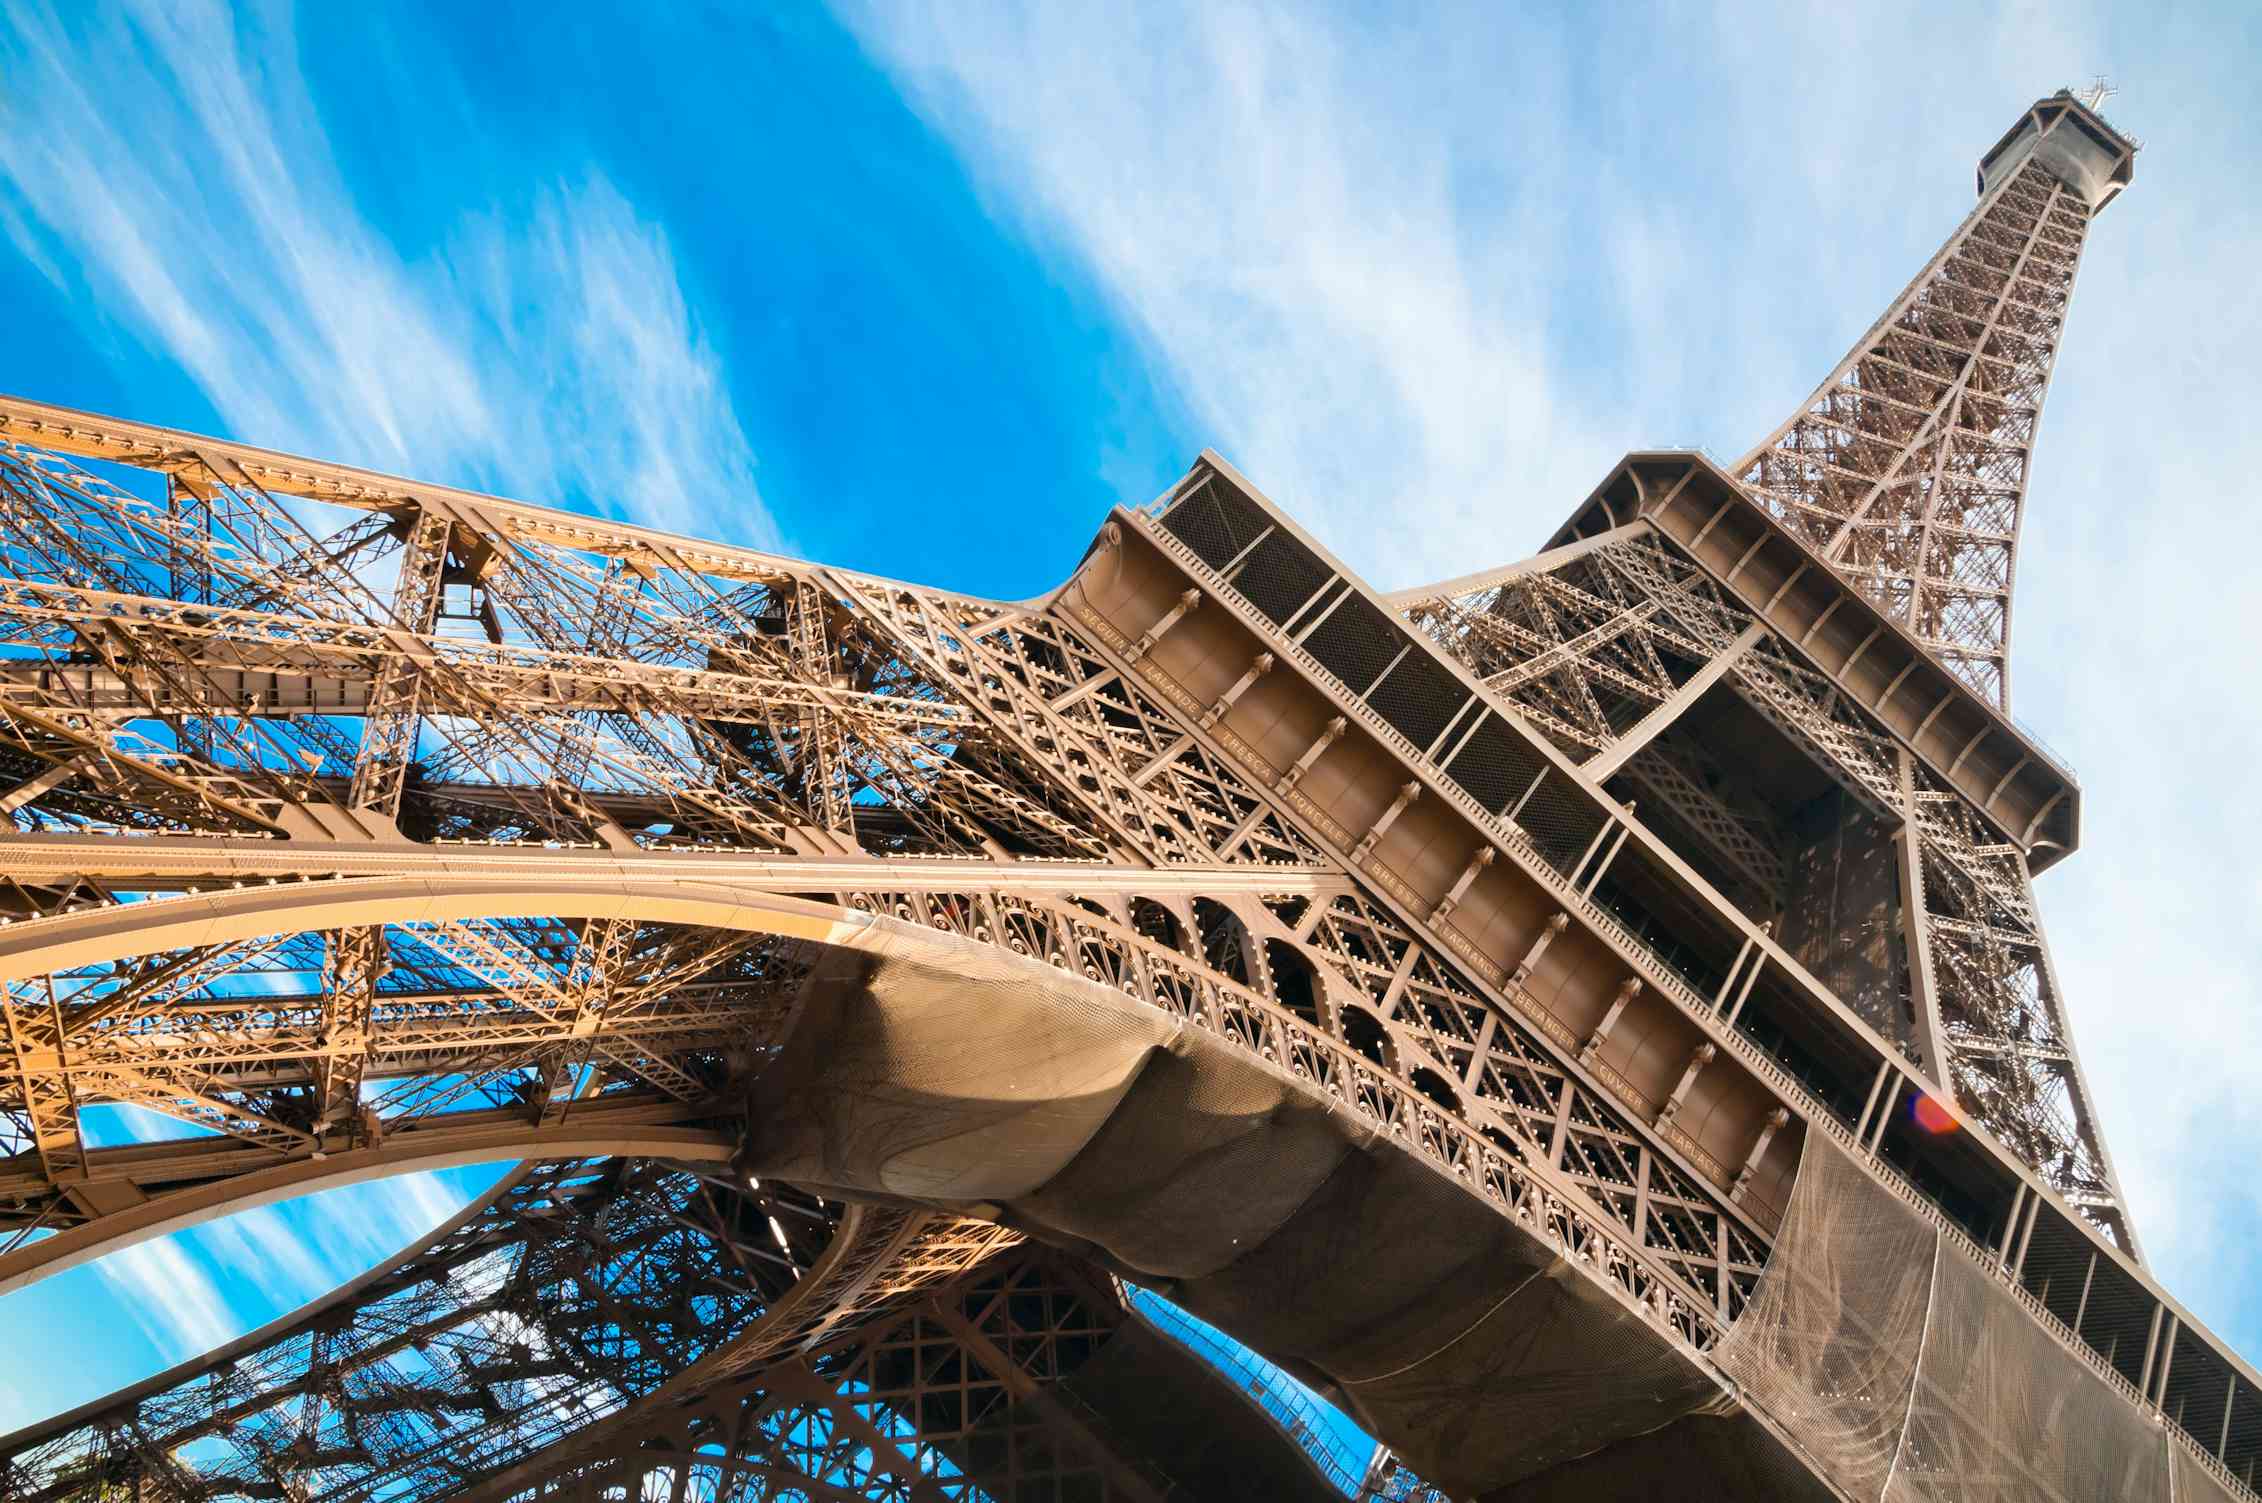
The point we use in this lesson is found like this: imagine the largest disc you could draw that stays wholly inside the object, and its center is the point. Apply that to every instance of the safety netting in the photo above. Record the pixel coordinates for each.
(1906, 1371)
(1211, 1154)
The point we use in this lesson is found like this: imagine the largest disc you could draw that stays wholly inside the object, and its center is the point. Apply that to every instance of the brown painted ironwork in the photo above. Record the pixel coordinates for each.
(364, 825)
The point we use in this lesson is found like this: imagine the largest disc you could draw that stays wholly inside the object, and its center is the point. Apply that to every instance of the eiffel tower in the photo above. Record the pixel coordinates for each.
(1587, 1020)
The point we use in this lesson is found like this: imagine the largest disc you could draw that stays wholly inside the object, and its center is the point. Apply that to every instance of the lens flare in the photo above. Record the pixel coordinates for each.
(1931, 1116)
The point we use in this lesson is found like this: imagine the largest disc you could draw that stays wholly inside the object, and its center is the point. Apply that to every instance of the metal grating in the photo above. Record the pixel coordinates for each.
(1216, 521)
(1561, 821)
(1356, 642)
(1418, 697)
(1495, 766)
(1280, 576)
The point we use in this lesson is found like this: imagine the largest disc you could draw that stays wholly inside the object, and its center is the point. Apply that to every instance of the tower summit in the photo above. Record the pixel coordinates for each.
(1799, 676)
(1588, 1018)
(1907, 469)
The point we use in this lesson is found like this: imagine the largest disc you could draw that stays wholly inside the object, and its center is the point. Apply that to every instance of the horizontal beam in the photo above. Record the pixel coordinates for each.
(440, 1146)
(166, 863)
(1539, 563)
(2015, 782)
(147, 446)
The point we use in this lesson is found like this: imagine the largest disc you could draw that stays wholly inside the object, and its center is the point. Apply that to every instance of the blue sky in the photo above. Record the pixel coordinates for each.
(924, 289)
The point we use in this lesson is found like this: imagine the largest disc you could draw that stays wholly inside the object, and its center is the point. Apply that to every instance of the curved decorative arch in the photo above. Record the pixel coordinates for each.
(1061, 1075)
(676, 1253)
(115, 932)
(180, 1209)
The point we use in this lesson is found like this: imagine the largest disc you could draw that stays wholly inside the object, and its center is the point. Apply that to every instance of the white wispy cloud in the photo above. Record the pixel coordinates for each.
(196, 1289)
(1281, 208)
(1425, 277)
(276, 1257)
(167, 160)
(171, 1296)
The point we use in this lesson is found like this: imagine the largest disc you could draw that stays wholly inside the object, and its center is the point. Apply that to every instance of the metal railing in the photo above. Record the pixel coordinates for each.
(1701, 1010)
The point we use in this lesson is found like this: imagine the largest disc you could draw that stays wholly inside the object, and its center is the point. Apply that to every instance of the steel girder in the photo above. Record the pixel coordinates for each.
(1908, 467)
(1589, 650)
(406, 793)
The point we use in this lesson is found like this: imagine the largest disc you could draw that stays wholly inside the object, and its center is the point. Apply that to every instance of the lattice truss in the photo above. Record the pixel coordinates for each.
(215, 661)
(1325, 980)
(206, 662)
(1332, 987)
(957, 1399)
(1587, 649)
(1339, 991)
(1907, 469)
(576, 1290)
(541, 1346)
(221, 676)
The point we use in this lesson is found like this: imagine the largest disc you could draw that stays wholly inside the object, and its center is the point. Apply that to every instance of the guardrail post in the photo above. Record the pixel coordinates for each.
(1154, 633)
(1618, 1005)
(1625, 829)
(1226, 701)
(1884, 1072)
(2011, 1225)
(2151, 1350)
(1327, 738)
(2033, 1213)
(1407, 793)
(1885, 1112)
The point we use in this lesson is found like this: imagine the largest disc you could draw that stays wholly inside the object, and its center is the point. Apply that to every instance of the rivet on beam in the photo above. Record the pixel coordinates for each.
(1530, 962)
(1327, 738)
(1452, 900)
(1774, 1125)
(1186, 602)
(1618, 1006)
(1226, 701)
(1410, 791)
(1701, 1056)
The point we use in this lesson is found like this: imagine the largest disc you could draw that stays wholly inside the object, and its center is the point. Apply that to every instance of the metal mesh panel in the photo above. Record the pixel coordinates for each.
(2002, 1416)
(1692, 942)
(1216, 521)
(1495, 767)
(1561, 821)
(2118, 1318)
(1842, 919)
(1829, 1345)
(1908, 1373)
(1280, 576)
(2194, 1483)
(1355, 642)
(1418, 697)
(2198, 1387)
(1516, 1361)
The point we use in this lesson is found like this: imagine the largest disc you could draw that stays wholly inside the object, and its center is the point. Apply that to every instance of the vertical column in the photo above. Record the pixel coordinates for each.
(355, 959)
(1916, 932)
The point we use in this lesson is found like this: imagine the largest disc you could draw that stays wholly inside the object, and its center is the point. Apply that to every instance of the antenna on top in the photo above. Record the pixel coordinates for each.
(2100, 89)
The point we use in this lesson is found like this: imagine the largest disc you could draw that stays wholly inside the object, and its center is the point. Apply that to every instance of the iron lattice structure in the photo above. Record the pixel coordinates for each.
(1524, 1008)
(1907, 468)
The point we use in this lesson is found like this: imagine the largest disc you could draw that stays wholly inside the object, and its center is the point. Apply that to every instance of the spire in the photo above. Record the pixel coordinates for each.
(1908, 467)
